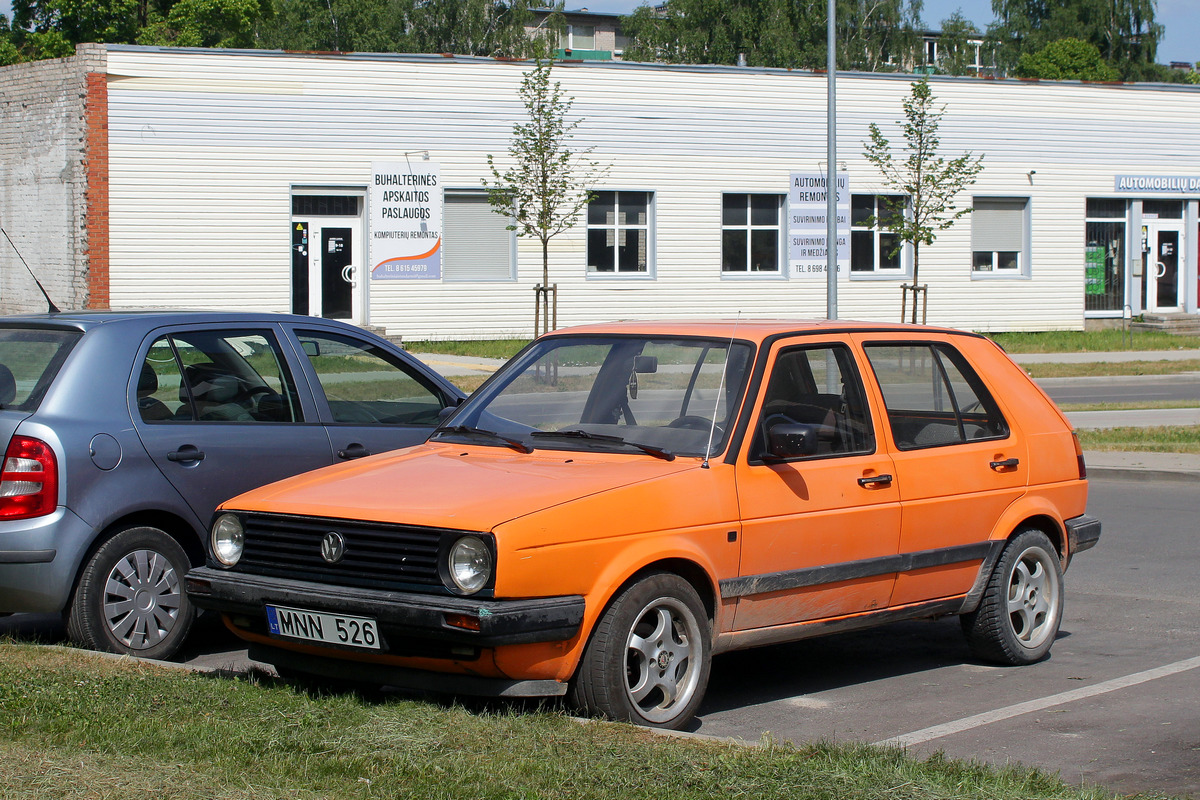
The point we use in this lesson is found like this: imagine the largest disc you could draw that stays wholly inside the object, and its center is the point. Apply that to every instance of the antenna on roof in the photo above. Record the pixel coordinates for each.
(53, 308)
(720, 391)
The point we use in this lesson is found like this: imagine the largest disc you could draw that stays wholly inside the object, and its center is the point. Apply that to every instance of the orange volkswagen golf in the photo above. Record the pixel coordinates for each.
(622, 502)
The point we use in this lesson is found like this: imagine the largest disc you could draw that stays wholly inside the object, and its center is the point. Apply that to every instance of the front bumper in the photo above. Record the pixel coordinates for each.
(406, 615)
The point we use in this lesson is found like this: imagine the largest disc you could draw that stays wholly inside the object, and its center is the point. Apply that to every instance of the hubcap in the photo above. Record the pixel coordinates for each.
(660, 671)
(142, 598)
(1033, 597)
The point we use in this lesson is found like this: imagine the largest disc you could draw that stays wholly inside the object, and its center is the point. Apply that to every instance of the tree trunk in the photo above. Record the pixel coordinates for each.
(916, 274)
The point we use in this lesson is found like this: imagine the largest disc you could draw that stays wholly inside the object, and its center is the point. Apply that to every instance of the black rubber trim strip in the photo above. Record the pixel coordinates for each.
(500, 622)
(27, 556)
(853, 570)
(1083, 533)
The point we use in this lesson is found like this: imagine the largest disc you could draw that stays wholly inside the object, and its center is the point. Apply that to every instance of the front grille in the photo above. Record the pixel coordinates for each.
(377, 555)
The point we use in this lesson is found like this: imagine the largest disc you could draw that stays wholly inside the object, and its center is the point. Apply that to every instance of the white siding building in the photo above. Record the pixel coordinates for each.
(240, 179)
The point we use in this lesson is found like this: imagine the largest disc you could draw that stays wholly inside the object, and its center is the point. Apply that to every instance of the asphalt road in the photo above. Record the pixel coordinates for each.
(1124, 389)
(1117, 703)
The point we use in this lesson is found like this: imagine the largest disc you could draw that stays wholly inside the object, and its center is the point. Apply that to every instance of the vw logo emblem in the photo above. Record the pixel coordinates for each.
(333, 547)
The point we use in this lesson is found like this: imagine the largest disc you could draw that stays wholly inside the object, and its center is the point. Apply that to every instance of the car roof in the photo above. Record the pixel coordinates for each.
(751, 329)
(89, 318)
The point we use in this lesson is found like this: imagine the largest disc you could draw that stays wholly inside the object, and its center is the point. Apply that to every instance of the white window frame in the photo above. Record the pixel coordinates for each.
(617, 227)
(1023, 249)
(568, 37)
(749, 227)
(878, 273)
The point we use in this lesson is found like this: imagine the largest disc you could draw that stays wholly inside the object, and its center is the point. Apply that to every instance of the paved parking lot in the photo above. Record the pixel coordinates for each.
(1117, 703)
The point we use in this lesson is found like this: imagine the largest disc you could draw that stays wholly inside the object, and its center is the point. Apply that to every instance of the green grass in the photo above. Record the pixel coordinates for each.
(1111, 368)
(1092, 341)
(1165, 439)
(484, 348)
(76, 726)
(1128, 405)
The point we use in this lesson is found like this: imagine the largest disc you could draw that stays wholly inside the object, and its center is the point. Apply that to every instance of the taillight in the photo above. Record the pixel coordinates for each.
(28, 480)
(1079, 456)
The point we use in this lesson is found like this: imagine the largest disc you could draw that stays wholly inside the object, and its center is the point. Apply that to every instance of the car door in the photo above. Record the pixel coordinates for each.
(821, 529)
(219, 412)
(959, 463)
(371, 399)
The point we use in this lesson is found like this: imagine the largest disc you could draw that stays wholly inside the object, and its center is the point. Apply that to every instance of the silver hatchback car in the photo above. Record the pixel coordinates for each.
(124, 430)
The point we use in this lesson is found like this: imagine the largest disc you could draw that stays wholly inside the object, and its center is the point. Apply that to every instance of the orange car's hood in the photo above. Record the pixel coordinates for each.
(454, 486)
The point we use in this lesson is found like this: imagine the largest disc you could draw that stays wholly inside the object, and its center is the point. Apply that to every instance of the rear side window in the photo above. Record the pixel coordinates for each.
(29, 360)
(933, 396)
(216, 376)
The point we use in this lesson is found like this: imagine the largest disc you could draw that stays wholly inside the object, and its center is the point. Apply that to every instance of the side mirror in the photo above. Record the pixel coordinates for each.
(445, 413)
(788, 440)
(646, 365)
(312, 348)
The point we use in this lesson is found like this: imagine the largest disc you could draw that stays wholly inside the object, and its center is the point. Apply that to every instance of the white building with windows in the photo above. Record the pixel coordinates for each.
(136, 176)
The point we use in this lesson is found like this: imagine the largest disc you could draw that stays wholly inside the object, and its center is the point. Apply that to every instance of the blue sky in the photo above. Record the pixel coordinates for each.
(1181, 18)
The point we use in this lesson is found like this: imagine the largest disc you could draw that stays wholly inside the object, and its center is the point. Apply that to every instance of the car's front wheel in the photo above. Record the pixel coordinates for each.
(648, 659)
(130, 596)
(1022, 606)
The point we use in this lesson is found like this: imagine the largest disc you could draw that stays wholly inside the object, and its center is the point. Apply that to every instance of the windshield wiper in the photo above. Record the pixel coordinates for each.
(650, 449)
(515, 444)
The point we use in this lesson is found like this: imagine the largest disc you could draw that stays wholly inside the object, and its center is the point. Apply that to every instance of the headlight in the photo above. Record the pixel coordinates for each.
(469, 564)
(228, 538)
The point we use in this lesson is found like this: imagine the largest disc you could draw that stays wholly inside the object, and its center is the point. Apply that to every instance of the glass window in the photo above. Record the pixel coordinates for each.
(216, 376)
(933, 397)
(1104, 255)
(818, 387)
(619, 232)
(999, 240)
(29, 360)
(1162, 209)
(751, 232)
(364, 385)
(873, 249)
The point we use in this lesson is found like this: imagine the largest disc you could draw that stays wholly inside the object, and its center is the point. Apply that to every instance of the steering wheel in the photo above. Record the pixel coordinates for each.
(693, 422)
(250, 391)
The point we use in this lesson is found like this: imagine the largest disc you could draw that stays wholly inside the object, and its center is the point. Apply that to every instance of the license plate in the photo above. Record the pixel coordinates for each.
(317, 626)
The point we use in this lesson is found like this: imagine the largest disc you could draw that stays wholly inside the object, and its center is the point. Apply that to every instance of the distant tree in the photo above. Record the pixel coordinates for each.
(927, 179)
(956, 47)
(543, 188)
(1124, 31)
(207, 23)
(1067, 59)
(774, 33)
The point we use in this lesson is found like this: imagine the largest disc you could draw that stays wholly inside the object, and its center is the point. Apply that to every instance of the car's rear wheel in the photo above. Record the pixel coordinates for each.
(1022, 606)
(648, 659)
(130, 596)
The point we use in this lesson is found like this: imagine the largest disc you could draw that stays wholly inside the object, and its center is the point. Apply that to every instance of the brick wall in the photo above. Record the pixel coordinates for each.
(44, 174)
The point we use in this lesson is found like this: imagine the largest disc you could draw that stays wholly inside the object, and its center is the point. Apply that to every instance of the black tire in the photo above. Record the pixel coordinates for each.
(130, 596)
(649, 656)
(1017, 620)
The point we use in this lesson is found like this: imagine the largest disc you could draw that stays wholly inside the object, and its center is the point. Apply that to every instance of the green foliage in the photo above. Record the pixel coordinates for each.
(956, 53)
(1067, 59)
(207, 23)
(927, 179)
(542, 189)
(774, 33)
(1124, 31)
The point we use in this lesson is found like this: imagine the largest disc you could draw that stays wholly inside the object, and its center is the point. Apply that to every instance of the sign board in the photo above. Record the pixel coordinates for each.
(1189, 184)
(1093, 281)
(406, 221)
(808, 224)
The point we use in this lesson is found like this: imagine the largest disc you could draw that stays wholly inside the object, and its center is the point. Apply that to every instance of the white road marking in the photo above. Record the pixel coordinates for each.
(988, 717)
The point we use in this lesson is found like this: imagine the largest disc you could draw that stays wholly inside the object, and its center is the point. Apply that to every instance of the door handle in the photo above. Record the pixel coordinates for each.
(872, 481)
(348, 274)
(1161, 271)
(354, 450)
(186, 454)
(1008, 463)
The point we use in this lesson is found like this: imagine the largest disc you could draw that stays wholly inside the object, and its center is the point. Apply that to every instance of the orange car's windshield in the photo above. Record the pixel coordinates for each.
(661, 396)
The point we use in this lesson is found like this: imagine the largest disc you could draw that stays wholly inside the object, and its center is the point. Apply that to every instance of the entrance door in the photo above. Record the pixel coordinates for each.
(326, 267)
(1164, 265)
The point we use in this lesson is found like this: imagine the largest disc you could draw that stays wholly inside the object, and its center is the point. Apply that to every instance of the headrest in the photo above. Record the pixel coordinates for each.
(210, 384)
(147, 381)
(8, 386)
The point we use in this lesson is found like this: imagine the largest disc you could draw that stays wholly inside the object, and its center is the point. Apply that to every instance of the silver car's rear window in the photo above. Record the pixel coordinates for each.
(29, 360)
